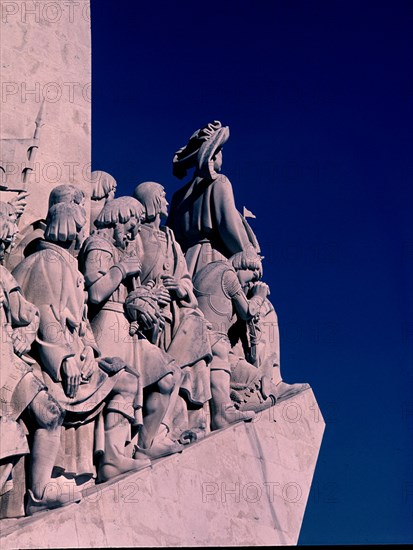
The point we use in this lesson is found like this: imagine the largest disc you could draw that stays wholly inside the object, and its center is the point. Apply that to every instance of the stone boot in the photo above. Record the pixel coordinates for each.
(114, 462)
(223, 412)
(34, 505)
(285, 391)
(228, 414)
(162, 445)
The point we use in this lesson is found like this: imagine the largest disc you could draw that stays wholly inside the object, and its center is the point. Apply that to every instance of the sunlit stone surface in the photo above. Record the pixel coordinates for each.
(244, 485)
(45, 52)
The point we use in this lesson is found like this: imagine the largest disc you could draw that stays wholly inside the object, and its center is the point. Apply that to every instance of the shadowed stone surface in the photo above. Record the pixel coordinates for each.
(244, 485)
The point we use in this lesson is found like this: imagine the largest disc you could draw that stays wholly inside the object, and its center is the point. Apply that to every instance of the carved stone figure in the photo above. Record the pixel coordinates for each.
(99, 397)
(25, 402)
(218, 288)
(103, 189)
(107, 364)
(257, 340)
(203, 214)
(110, 263)
(209, 227)
(184, 333)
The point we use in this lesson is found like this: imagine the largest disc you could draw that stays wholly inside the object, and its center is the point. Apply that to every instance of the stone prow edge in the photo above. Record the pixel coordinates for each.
(19, 524)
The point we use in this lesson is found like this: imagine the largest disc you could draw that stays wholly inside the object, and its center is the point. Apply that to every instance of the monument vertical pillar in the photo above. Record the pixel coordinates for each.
(45, 57)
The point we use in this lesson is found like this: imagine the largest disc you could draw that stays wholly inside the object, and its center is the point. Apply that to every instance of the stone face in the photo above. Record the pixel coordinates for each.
(244, 485)
(45, 52)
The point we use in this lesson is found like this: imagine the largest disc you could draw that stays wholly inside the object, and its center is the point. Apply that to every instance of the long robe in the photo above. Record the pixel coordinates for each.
(109, 321)
(51, 280)
(185, 335)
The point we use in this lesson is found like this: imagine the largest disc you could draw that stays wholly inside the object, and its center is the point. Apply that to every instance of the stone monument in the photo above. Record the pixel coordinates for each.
(45, 51)
(141, 396)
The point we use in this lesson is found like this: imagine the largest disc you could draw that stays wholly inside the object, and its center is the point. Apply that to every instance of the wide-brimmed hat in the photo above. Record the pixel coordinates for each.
(201, 147)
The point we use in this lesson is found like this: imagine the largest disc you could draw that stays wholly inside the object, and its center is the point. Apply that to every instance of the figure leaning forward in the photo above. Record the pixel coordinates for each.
(185, 332)
(98, 395)
(25, 401)
(111, 265)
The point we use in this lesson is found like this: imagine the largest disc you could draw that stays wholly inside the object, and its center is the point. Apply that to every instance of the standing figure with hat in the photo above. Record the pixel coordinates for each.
(184, 334)
(209, 228)
(203, 214)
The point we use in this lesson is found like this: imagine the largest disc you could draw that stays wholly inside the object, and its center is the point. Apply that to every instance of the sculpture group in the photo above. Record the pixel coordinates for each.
(131, 343)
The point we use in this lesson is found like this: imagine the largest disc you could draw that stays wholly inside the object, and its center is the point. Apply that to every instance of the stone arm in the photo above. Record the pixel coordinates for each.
(245, 308)
(24, 321)
(186, 298)
(189, 299)
(56, 290)
(22, 312)
(22, 315)
(53, 342)
(61, 328)
(19, 203)
(102, 276)
(228, 221)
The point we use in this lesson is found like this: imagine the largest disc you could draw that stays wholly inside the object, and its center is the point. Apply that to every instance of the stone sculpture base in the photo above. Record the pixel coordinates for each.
(244, 485)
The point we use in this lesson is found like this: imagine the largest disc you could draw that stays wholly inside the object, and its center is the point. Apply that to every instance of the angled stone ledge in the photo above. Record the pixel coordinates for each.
(244, 485)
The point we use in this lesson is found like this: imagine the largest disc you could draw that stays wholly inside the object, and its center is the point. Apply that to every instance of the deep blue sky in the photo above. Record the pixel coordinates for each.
(318, 97)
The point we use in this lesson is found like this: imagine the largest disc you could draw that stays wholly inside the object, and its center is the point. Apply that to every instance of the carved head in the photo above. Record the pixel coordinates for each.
(248, 265)
(103, 186)
(8, 228)
(123, 215)
(66, 217)
(66, 193)
(153, 198)
(202, 152)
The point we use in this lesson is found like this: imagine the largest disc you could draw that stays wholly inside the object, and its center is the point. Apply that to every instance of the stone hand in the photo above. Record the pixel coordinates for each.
(131, 265)
(19, 203)
(142, 306)
(260, 289)
(88, 363)
(21, 343)
(172, 283)
(149, 319)
(71, 376)
(162, 294)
